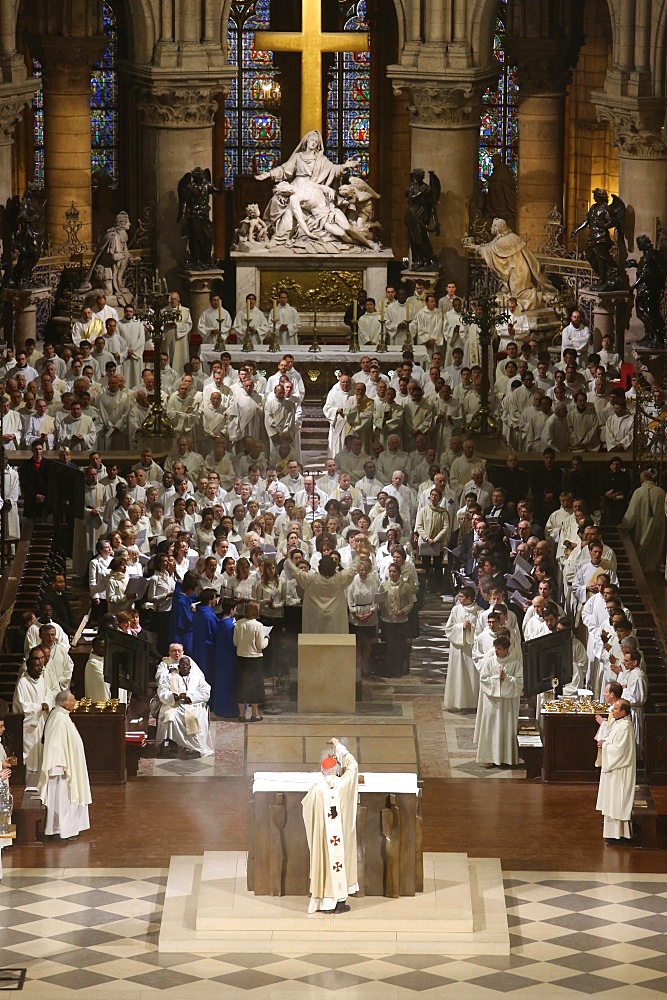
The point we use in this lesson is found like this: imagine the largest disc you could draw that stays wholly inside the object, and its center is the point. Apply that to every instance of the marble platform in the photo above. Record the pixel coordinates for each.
(208, 910)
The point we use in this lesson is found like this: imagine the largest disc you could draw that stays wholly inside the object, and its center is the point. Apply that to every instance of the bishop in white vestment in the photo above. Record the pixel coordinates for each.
(330, 818)
(63, 779)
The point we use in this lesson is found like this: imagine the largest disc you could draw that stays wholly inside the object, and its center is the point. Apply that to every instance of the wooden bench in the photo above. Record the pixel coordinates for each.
(29, 817)
(645, 819)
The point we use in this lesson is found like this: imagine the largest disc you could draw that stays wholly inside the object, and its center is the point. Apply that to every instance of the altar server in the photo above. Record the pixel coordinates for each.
(616, 793)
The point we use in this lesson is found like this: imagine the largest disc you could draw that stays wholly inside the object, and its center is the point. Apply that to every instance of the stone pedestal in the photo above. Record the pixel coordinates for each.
(327, 673)
(24, 304)
(430, 278)
(199, 285)
(336, 278)
(609, 314)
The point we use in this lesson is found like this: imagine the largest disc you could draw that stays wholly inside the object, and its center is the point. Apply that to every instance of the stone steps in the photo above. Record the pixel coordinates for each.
(208, 909)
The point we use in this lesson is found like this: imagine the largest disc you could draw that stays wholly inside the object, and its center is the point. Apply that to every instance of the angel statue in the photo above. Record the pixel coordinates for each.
(600, 218)
(421, 217)
(649, 289)
(357, 198)
(194, 214)
(252, 229)
(108, 267)
(29, 236)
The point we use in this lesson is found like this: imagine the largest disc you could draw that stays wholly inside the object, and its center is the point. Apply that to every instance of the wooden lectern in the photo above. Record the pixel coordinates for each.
(389, 835)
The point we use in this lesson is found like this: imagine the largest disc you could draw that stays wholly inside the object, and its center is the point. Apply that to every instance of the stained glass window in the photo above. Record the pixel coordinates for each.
(499, 130)
(103, 111)
(104, 107)
(252, 134)
(349, 95)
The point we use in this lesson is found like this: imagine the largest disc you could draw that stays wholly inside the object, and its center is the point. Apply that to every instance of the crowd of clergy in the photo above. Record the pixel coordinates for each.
(229, 548)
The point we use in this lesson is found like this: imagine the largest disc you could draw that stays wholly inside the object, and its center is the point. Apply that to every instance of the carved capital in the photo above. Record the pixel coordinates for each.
(543, 66)
(12, 103)
(67, 62)
(637, 131)
(170, 106)
(433, 104)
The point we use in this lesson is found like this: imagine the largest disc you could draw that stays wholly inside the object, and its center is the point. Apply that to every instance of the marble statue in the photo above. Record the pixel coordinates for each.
(305, 210)
(252, 229)
(107, 271)
(357, 199)
(421, 218)
(194, 213)
(29, 236)
(602, 216)
(648, 288)
(508, 257)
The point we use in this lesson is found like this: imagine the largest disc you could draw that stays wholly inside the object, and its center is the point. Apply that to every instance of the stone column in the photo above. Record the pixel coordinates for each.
(66, 68)
(13, 99)
(178, 135)
(543, 79)
(638, 131)
(444, 114)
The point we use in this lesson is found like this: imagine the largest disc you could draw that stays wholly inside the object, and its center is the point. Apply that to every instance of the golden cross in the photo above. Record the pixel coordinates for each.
(311, 42)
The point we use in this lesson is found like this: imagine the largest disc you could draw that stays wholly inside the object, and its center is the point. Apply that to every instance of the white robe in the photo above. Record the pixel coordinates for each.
(289, 317)
(324, 601)
(63, 778)
(341, 791)
(133, 335)
(336, 400)
(645, 520)
(208, 324)
(259, 326)
(29, 696)
(498, 712)
(616, 793)
(179, 722)
(462, 683)
(177, 342)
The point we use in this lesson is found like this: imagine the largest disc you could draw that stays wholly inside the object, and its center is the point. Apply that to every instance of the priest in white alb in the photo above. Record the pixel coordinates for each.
(251, 319)
(287, 320)
(330, 818)
(63, 778)
(616, 793)
(501, 681)
(32, 700)
(185, 694)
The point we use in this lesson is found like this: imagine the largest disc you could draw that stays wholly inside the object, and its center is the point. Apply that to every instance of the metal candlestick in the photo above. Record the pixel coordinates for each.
(486, 316)
(407, 343)
(354, 338)
(248, 344)
(274, 340)
(158, 316)
(220, 342)
(315, 347)
(382, 345)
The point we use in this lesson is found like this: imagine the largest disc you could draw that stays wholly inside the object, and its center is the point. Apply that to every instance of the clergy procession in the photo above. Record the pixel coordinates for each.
(231, 547)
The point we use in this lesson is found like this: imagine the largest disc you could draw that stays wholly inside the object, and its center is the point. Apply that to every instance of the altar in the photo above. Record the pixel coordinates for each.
(318, 369)
(323, 280)
(389, 835)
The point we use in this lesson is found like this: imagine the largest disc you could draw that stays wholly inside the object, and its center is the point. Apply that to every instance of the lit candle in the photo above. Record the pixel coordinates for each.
(219, 310)
(381, 308)
(407, 312)
(275, 315)
(354, 310)
(247, 310)
(164, 285)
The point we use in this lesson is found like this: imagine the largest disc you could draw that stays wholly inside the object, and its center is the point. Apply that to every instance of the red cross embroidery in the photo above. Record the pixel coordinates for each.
(337, 867)
(329, 815)
(335, 841)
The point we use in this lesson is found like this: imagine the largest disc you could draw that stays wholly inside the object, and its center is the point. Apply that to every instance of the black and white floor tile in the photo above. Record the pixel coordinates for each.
(93, 933)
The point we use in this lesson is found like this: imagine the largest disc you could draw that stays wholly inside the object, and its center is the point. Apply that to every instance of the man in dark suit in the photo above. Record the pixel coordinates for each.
(35, 478)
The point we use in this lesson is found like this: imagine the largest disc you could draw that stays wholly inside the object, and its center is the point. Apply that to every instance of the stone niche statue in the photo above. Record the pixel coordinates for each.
(508, 257)
(649, 288)
(194, 213)
(602, 216)
(421, 218)
(107, 271)
(310, 197)
(27, 222)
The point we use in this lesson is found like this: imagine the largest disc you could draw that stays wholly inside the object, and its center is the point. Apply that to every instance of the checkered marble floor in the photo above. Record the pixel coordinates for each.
(93, 933)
